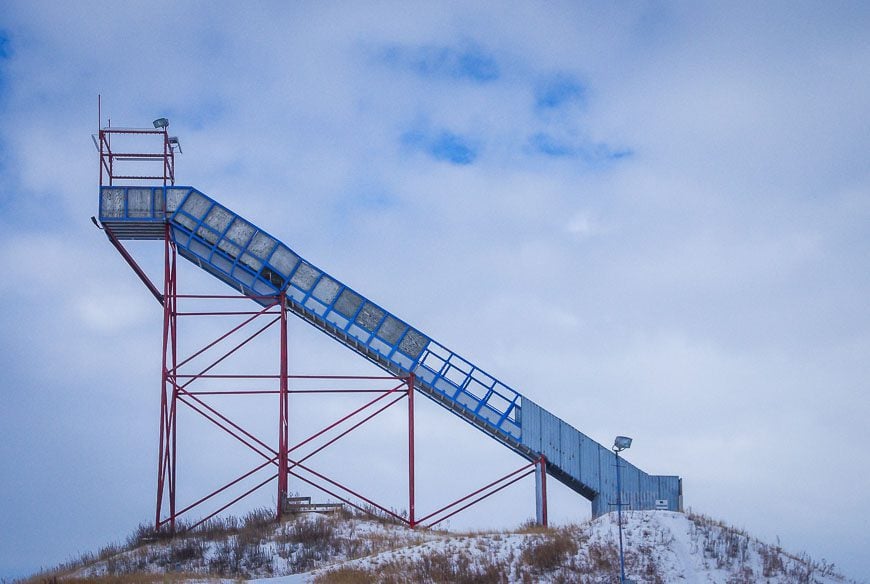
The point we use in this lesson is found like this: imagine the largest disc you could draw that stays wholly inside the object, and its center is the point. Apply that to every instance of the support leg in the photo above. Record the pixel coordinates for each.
(283, 424)
(169, 393)
(541, 492)
(411, 517)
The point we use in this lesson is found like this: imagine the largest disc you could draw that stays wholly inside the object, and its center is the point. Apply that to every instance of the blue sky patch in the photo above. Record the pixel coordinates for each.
(594, 154)
(370, 198)
(414, 138)
(5, 48)
(444, 146)
(453, 148)
(557, 91)
(198, 115)
(546, 144)
(469, 63)
(374, 200)
(5, 55)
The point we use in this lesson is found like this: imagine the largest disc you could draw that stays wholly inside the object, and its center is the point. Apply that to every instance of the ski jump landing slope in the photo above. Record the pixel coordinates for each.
(257, 264)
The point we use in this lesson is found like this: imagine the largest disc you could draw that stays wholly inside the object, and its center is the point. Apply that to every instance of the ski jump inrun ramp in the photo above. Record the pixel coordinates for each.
(257, 264)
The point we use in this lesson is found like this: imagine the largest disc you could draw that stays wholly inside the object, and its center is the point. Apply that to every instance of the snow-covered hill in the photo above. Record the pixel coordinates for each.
(660, 547)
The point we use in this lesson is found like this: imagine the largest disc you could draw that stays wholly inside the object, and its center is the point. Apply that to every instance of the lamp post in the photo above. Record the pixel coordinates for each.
(619, 444)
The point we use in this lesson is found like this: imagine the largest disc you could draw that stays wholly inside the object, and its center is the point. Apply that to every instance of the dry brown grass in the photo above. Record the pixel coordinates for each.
(549, 550)
(345, 576)
(438, 567)
(137, 578)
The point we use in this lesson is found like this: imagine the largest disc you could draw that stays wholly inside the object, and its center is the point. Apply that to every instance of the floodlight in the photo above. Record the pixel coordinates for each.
(621, 443)
(161, 123)
(174, 143)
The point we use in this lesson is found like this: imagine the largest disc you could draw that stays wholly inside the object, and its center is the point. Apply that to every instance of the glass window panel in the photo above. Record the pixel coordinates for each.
(262, 245)
(251, 261)
(207, 234)
(476, 389)
(185, 220)
(196, 205)
(173, 198)
(139, 202)
(348, 303)
(218, 218)
(498, 403)
(413, 343)
(392, 329)
(231, 250)
(284, 260)
(305, 276)
(112, 203)
(326, 290)
(240, 232)
(455, 376)
(370, 316)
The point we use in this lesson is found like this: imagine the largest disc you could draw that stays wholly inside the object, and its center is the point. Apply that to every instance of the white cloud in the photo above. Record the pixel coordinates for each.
(110, 312)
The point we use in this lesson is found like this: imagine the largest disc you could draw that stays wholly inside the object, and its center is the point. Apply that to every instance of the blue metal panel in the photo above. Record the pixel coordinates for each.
(551, 434)
(630, 480)
(531, 424)
(607, 475)
(670, 489)
(648, 489)
(569, 459)
(590, 466)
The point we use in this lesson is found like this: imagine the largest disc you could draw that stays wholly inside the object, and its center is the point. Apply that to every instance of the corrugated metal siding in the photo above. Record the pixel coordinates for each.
(530, 421)
(585, 465)
(569, 459)
(589, 464)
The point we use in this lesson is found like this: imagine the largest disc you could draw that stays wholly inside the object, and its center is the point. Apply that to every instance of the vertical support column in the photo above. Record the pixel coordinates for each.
(541, 491)
(412, 521)
(283, 406)
(173, 302)
(166, 468)
(102, 137)
(165, 154)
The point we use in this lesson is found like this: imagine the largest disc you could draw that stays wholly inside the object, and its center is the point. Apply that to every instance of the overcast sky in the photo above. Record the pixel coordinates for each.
(651, 218)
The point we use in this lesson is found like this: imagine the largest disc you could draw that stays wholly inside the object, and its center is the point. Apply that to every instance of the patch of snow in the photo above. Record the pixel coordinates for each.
(659, 546)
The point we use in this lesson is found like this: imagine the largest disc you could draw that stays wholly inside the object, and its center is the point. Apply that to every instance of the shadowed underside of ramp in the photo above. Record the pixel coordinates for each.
(257, 264)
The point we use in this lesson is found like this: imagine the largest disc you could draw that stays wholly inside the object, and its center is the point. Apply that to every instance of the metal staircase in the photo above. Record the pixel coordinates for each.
(258, 265)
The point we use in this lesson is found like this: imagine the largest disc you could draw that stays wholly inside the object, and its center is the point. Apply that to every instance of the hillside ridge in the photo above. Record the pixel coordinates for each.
(660, 547)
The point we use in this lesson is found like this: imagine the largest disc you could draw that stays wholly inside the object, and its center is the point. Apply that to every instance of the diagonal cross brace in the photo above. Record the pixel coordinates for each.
(131, 262)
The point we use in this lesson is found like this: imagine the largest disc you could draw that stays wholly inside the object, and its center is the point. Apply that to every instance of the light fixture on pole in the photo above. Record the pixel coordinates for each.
(619, 444)
(161, 123)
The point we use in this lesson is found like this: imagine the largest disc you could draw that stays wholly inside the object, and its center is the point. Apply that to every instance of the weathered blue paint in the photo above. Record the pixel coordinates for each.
(590, 468)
